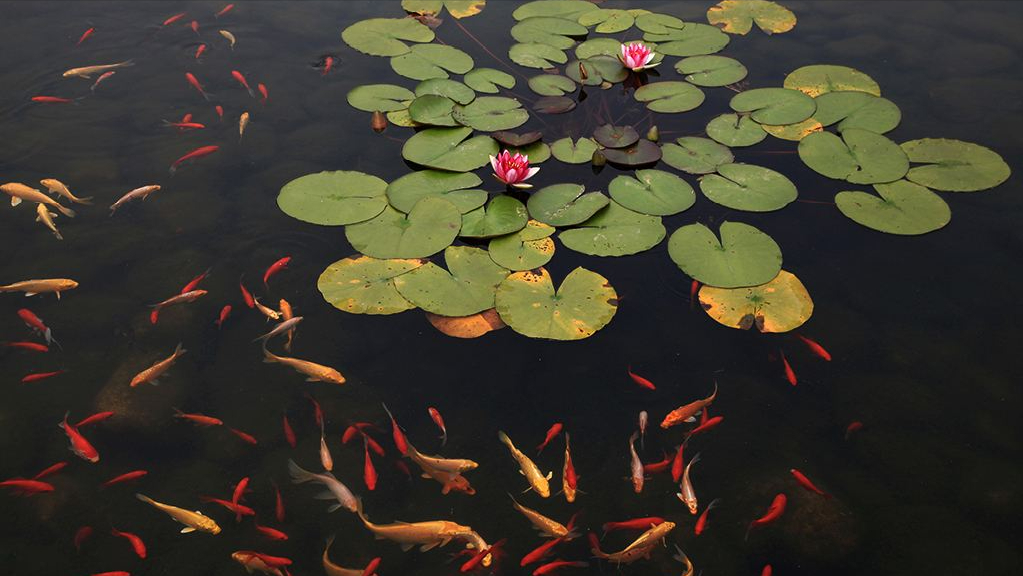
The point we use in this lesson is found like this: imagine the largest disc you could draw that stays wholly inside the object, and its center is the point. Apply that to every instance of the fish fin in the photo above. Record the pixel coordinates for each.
(27, 294)
(65, 211)
(334, 508)
(690, 419)
(87, 201)
(404, 547)
(425, 475)
(445, 489)
(521, 473)
(324, 496)
(550, 474)
(527, 490)
(155, 381)
(178, 350)
(187, 529)
(427, 547)
(15, 200)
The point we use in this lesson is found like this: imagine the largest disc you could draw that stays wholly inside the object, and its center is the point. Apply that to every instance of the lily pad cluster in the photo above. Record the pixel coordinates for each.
(472, 257)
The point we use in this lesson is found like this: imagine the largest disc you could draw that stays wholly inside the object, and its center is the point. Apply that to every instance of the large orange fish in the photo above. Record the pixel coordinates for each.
(686, 413)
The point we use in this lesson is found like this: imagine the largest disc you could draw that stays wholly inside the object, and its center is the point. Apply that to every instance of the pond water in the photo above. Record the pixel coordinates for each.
(923, 330)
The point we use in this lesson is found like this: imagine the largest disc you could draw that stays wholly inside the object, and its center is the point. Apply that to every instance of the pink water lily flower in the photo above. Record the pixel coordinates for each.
(637, 56)
(513, 169)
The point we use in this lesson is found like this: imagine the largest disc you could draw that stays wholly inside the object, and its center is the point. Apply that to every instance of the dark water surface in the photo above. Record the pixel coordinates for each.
(924, 330)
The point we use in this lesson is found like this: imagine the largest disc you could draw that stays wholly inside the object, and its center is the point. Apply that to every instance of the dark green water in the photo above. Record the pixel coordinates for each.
(924, 330)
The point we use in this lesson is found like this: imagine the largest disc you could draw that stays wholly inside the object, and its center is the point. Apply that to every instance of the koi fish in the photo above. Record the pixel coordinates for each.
(657, 467)
(540, 552)
(199, 419)
(266, 93)
(244, 436)
(790, 374)
(79, 446)
(241, 80)
(644, 418)
(36, 324)
(289, 434)
(197, 153)
(552, 433)
(194, 282)
(85, 35)
(50, 470)
(853, 427)
(247, 296)
(313, 372)
(687, 412)
(317, 409)
(701, 522)
(95, 418)
(275, 268)
(710, 423)
(270, 313)
(678, 463)
(640, 548)
(243, 122)
(544, 525)
(199, 51)
(271, 533)
(400, 442)
(439, 421)
(815, 347)
(687, 564)
(174, 19)
(378, 122)
(54, 186)
(136, 543)
(257, 562)
(153, 374)
(230, 39)
(101, 78)
(640, 380)
(44, 215)
(23, 487)
(30, 346)
(194, 82)
(446, 472)
(220, 112)
(287, 313)
(224, 10)
(537, 480)
(688, 495)
(81, 535)
(369, 473)
(325, 459)
(774, 511)
(52, 100)
(142, 192)
(637, 464)
(450, 465)
(333, 569)
(88, 71)
(634, 524)
(183, 298)
(182, 126)
(278, 504)
(372, 444)
(40, 376)
(551, 567)
(133, 475)
(345, 498)
(18, 192)
(426, 535)
(568, 477)
(806, 483)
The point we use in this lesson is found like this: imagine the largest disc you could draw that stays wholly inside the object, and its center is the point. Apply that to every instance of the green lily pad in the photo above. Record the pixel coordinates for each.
(851, 109)
(859, 156)
(781, 305)
(954, 165)
(654, 23)
(818, 79)
(383, 36)
(577, 152)
(466, 287)
(598, 47)
(554, 104)
(449, 149)
(489, 113)
(748, 187)
(528, 303)
(554, 32)
(537, 152)
(401, 117)
(696, 155)
(640, 153)
(426, 61)
(432, 110)
(333, 198)
(653, 192)
(903, 208)
(692, 40)
(527, 249)
(488, 80)
(711, 71)
(670, 97)
(364, 285)
(570, 9)
(738, 16)
(744, 256)
(379, 97)
(431, 226)
(536, 55)
(457, 8)
(774, 105)
(615, 136)
(405, 192)
(446, 87)
(596, 70)
(735, 130)
(564, 204)
(552, 85)
(615, 231)
(502, 215)
(607, 21)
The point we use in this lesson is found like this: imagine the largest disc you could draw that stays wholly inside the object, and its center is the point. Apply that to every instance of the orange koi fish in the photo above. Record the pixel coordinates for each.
(686, 413)
(81, 535)
(569, 480)
(238, 509)
(247, 296)
(23, 487)
(174, 19)
(278, 504)
(271, 533)
(710, 423)
(199, 51)
(224, 313)
(656, 467)
(266, 93)
(275, 268)
(328, 63)
(815, 347)
(36, 324)
(95, 418)
(369, 473)
(220, 112)
(194, 25)
(439, 421)
(79, 445)
(198, 419)
(136, 543)
(197, 153)
(101, 78)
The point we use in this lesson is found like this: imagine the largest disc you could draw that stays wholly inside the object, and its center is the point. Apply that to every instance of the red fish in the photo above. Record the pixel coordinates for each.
(195, 84)
(478, 557)
(85, 35)
(197, 153)
(641, 380)
(247, 296)
(710, 423)
(569, 469)
(271, 561)
(79, 445)
(399, 437)
(50, 471)
(239, 490)
(224, 313)
(30, 346)
(114, 573)
(540, 552)
(194, 283)
(40, 376)
(552, 433)
(133, 475)
(774, 511)
(766, 571)
(815, 347)
(220, 112)
(701, 522)
(656, 467)
(552, 567)
(36, 324)
(275, 268)
(238, 509)
(174, 18)
(372, 444)
(806, 483)
(439, 421)
(248, 438)
(678, 463)
(266, 93)
(182, 126)
(852, 428)
(101, 78)
(23, 487)
(278, 504)
(369, 473)
(136, 543)
(704, 416)
(241, 80)
(194, 25)
(634, 524)
(271, 533)
(289, 434)
(224, 10)
(95, 419)
(52, 99)
(694, 289)
(198, 419)
(199, 51)
(790, 375)
(317, 410)
(81, 535)
(328, 63)
(350, 433)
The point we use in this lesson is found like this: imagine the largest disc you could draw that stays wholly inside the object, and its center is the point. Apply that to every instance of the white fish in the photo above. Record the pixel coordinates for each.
(280, 328)
(637, 464)
(336, 490)
(142, 192)
(643, 418)
(87, 71)
(688, 495)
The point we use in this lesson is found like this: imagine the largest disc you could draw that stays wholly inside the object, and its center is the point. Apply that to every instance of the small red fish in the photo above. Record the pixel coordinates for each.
(278, 504)
(369, 473)
(806, 483)
(186, 118)
(195, 84)
(194, 25)
(815, 347)
(641, 380)
(220, 112)
(127, 476)
(199, 51)
(224, 10)
(95, 419)
(701, 522)
(22, 487)
(241, 80)
(328, 63)
(248, 438)
(247, 296)
(289, 434)
(40, 376)
(694, 289)
(275, 268)
(194, 283)
(551, 567)
(114, 573)
(774, 511)
(197, 153)
(30, 346)
(766, 571)
(656, 467)
(79, 445)
(634, 524)
(52, 99)
(182, 126)
(317, 409)
(266, 93)
(136, 543)
(85, 35)
(198, 419)
(224, 313)
(478, 557)
(541, 551)
(439, 421)
(678, 463)
(350, 433)
(403, 468)
(174, 18)
(36, 324)
(101, 78)
(790, 374)
(371, 567)
(238, 509)
(552, 433)
(399, 437)
(852, 428)
(50, 471)
(271, 533)
(710, 423)
(569, 469)
(373, 445)
(239, 490)
(81, 535)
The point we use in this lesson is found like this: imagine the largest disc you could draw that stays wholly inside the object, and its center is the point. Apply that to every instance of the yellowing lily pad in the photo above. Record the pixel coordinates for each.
(696, 155)
(735, 130)
(472, 326)
(615, 231)
(818, 79)
(333, 198)
(793, 132)
(526, 249)
(529, 304)
(738, 16)
(903, 208)
(859, 156)
(781, 305)
(430, 226)
(449, 149)
(744, 256)
(383, 36)
(954, 165)
(364, 285)
(466, 287)
(457, 8)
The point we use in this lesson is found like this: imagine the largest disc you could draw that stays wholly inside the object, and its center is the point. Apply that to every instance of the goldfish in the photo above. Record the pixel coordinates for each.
(153, 374)
(278, 504)
(325, 459)
(23, 487)
(194, 82)
(806, 483)
(264, 91)
(133, 475)
(97, 417)
(317, 409)
(229, 36)
(194, 282)
(644, 418)
(790, 374)
(853, 427)
(18, 192)
(220, 112)
(540, 552)
(687, 412)
(537, 480)
(289, 434)
(36, 324)
(766, 570)
(52, 100)
(224, 10)
(101, 78)
(239, 491)
(378, 122)
(142, 192)
(344, 496)
(313, 372)
(634, 524)
(88, 71)
(247, 296)
(270, 313)
(194, 25)
(552, 433)
(271, 533)
(54, 186)
(275, 268)
(85, 35)
(544, 525)
(174, 18)
(50, 470)
(774, 511)
(239, 509)
(446, 471)
(136, 543)
(687, 564)
(244, 436)
(636, 464)
(30, 346)
(641, 547)
(701, 522)
(687, 494)
(197, 153)
(40, 376)
(199, 51)
(241, 80)
(400, 442)
(183, 298)
(640, 380)
(79, 445)
(254, 562)
(568, 477)
(328, 63)
(198, 419)
(426, 535)
(373, 445)
(81, 535)
(287, 313)
(243, 122)
(678, 463)
(815, 347)
(551, 567)
(182, 126)
(657, 467)
(710, 423)
(369, 473)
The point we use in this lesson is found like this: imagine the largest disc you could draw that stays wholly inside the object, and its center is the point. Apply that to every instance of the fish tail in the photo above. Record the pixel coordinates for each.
(179, 351)
(681, 556)
(505, 439)
(145, 498)
(299, 474)
(130, 62)
(595, 545)
(251, 93)
(87, 201)
(65, 211)
(443, 439)
(57, 234)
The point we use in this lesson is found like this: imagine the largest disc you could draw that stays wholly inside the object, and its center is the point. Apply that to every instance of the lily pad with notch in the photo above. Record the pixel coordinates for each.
(570, 9)
(431, 226)
(383, 36)
(744, 256)
(490, 113)
(449, 149)
(735, 130)
(670, 97)
(583, 304)
(432, 110)
(380, 97)
(859, 156)
(607, 21)
(817, 79)
(774, 105)
(333, 198)
(502, 215)
(554, 105)
(696, 155)
(954, 165)
(526, 249)
(564, 204)
(692, 40)
(455, 187)
(711, 71)
(488, 80)
(748, 187)
(852, 109)
(596, 70)
(615, 136)
(360, 284)
(781, 305)
(537, 152)
(615, 231)
(552, 31)
(536, 55)
(448, 88)
(655, 23)
(426, 61)
(640, 153)
(574, 152)
(653, 192)
(902, 207)
(739, 16)
(466, 287)
(552, 85)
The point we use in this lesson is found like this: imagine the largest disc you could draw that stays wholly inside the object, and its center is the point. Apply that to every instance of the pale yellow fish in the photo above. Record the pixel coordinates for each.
(287, 314)
(641, 547)
(687, 564)
(140, 192)
(332, 569)
(565, 486)
(18, 192)
(57, 187)
(229, 36)
(426, 535)
(46, 217)
(153, 373)
(687, 494)
(314, 372)
(243, 122)
(546, 526)
(455, 465)
(253, 563)
(270, 313)
(445, 471)
(193, 521)
(33, 287)
(87, 71)
(537, 481)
